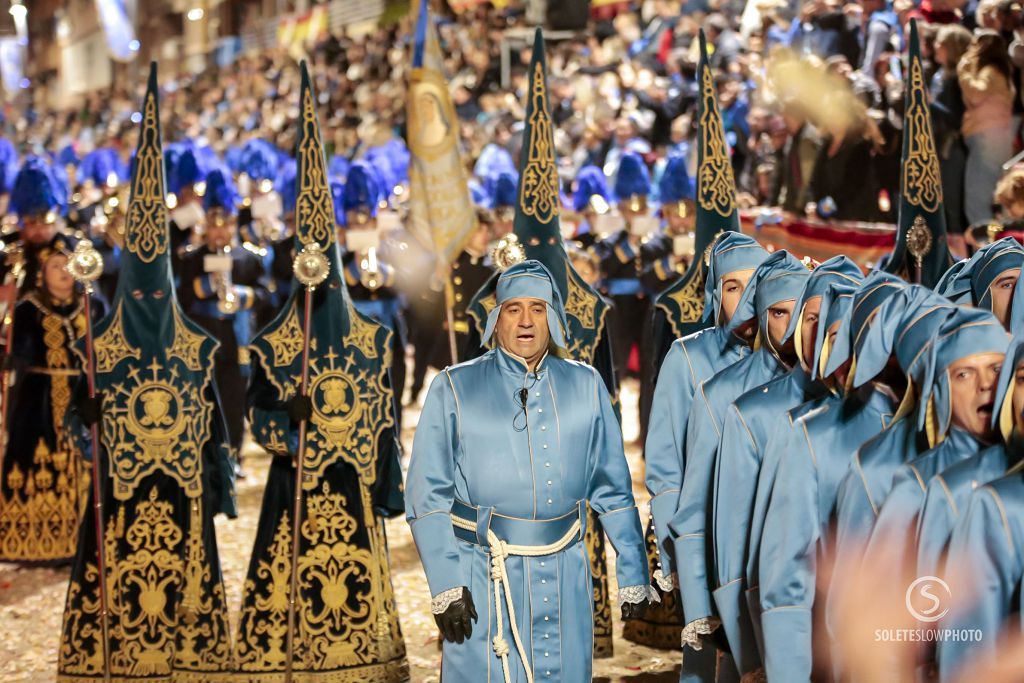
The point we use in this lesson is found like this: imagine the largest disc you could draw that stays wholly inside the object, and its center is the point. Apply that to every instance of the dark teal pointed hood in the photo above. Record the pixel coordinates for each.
(153, 365)
(683, 303)
(921, 240)
(349, 354)
(536, 222)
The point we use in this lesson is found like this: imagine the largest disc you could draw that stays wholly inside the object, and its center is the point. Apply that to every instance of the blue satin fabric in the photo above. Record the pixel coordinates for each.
(797, 532)
(476, 444)
(988, 544)
(750, 425)
(690, 361)
(946, 498)
(688, 525)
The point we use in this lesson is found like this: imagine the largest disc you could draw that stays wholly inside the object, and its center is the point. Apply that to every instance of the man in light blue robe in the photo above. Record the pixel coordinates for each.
(691, 360)
(908, 323)
(797, 528)
(955, 409)
(764, 310)
(748, 426)
(509, 450)
(988, 544)
(835, 302)
(988, 279)
(948, 492)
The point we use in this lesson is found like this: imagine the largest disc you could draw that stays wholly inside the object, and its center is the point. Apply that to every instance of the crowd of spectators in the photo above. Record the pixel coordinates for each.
(811, 95)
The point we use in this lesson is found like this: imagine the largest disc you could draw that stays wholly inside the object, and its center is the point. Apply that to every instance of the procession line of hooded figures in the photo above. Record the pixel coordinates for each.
(805, 419)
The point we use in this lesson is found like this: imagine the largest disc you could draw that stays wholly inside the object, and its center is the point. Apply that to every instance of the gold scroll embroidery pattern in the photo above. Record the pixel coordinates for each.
(714, 177)
(689, 298)
(156, 423)
(264, 623)
(112, 346)
(338, 629)
(146, 236)
(922, 179)
(148, 579)
(202, 635)
(314, 208)
(80, 651)
(538, 194)
(351, 407)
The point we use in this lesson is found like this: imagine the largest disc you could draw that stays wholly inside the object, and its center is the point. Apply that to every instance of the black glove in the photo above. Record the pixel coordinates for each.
(299, 408)
(90, 409)
(634, 610)
(456, 622)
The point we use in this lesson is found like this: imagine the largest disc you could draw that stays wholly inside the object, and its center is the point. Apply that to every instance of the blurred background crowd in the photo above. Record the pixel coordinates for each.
(811, 95)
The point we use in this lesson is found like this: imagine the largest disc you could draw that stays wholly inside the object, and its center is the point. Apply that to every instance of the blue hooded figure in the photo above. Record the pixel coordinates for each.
(690, 361)
(797, 531)
(957, 417)
(529, 496)
(987, 540)
(749, 429)
(774, 286)
(949, 491)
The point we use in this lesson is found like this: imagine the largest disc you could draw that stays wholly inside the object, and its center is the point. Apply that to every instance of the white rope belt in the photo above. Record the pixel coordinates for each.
(499, 550)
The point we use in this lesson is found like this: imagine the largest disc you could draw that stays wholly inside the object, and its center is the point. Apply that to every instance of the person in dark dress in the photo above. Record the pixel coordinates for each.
(165, 465)
(42, 474)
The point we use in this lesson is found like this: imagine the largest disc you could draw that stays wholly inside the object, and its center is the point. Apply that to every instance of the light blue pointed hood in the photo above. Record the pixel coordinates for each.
(968, 331)
(531, 280)
(731, 252)
(911, 315)
(835, 303)
(873, 291)
(1002, 413)
(839, 269)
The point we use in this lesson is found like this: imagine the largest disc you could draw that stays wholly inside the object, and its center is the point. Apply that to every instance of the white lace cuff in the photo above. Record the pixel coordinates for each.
(442, 601)
(701, 627)
(637, 594)
(756, 676)
(667, 584)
